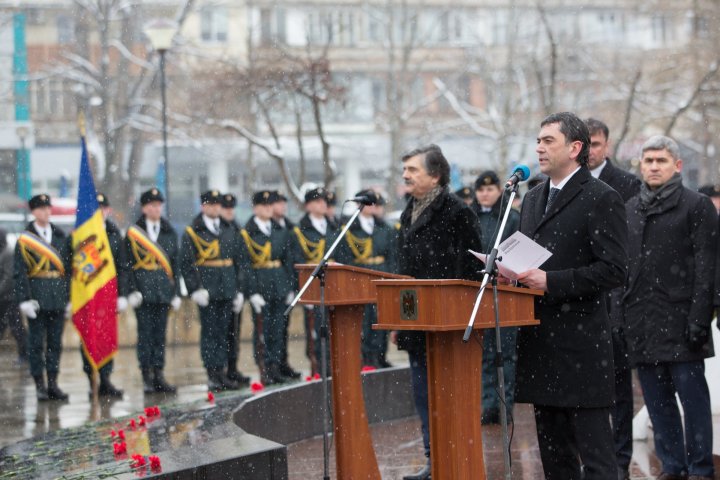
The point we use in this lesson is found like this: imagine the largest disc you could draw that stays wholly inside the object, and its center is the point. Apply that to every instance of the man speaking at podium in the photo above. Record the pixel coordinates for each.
(565, 364)
(436, 231)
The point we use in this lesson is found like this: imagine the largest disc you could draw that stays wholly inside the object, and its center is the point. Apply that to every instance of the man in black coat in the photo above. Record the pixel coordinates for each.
(627, 185)
(436, 231)
(668, 307)
(565, 364)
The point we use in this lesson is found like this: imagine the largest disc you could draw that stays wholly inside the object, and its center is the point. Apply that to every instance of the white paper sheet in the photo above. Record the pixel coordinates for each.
(518, 254)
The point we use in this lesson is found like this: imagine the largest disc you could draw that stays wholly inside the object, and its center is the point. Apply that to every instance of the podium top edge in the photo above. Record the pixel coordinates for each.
(352, 268)
(450, 282)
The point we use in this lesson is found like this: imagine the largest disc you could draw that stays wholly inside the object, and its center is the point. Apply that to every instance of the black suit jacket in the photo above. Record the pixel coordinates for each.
(567, 360)
(625, 183)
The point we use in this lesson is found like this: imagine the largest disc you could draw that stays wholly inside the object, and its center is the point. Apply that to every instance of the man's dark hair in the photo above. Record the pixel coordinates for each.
(574, 130)
(435, 162)
(596, 126)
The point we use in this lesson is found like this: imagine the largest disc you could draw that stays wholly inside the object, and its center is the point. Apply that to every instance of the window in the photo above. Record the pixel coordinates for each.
(65, 29)
(273, 25)
(214, 24)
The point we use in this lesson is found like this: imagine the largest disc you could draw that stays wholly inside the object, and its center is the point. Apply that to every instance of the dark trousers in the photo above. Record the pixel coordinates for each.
(687, 379)
(622, 414)
(151, 327)
(490, 396)
(104, 371)
(571, 436)
(214, 323)
(233, 341)
(419, 377)
(45, 341)
(311, 317)
(274, 332)
(374, 342)
(10, 317)
(318, 350)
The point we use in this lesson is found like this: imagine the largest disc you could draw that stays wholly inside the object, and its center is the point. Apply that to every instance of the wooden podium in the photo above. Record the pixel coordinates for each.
(442, 308)
(347, 289)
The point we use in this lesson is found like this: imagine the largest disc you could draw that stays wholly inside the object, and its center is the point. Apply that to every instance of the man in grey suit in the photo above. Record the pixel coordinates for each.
(565, 364)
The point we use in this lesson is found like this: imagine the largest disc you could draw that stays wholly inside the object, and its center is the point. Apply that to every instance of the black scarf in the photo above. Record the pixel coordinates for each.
(653, 200)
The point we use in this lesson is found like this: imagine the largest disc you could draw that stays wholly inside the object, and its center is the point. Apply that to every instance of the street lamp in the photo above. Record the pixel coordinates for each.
(23, 188)
(161, 33)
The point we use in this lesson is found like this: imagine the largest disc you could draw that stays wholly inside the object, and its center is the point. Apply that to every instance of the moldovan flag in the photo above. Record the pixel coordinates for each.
(93, 288)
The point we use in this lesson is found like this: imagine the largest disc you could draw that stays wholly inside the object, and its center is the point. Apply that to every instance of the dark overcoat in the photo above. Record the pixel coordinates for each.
(671, 253)
(436, 246)
(384, 244)
(567, 360)
(273, 283)
(625, 183)
(155, 285)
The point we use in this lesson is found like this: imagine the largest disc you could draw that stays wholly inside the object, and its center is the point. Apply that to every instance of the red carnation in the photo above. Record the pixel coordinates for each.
(256, 387)
(149, 412)
(156, 411)
(119, 448)
(112, 433)
(368, 368)
(316, 376)
(138, 461)
(155, 463)
(211, 397)
(308, 378)
(121, 434)
(141, 421)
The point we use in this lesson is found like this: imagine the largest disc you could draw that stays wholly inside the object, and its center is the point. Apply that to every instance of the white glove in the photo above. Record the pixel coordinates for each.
(135, 299)
(122, 304)
(238, 302)
(308, 307)
(201, 297)
(175, 303)
(68, 310)
(289, 298)
(257, 302)
(30, 308)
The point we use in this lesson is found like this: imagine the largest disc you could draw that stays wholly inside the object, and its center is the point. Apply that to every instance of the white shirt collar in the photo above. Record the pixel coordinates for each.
(265, 226)
(598, 170)
(45, 232)
(153, 232)
(565, 180)
(320, 224)
(367, 224)
(212, 224)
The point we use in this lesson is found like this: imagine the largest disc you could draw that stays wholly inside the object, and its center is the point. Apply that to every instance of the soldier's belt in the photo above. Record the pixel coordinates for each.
(371, 260)
(146, 266)
(268, 264)
(52, 274)
(225, 262)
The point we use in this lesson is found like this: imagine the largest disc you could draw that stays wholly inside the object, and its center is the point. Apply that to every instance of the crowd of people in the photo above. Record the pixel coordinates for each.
(631, 284)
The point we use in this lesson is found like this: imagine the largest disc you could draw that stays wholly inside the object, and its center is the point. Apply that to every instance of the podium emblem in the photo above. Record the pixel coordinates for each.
(408, 305)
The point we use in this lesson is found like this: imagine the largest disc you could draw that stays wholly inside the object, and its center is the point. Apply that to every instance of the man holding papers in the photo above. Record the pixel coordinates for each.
(565, 364)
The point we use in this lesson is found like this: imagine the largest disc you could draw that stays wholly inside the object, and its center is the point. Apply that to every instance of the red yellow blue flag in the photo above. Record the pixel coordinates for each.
(93, 288)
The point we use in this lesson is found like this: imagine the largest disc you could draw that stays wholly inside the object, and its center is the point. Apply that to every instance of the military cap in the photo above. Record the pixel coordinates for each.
(278, 197)
(211, 197)
(229, 200)
(331, 198)
(464, 193)
(263, 197)
(315, 194)
(42, 200)
(487, 178)
(152, 195)
(710, 190)
(374, 197)
(102, 200)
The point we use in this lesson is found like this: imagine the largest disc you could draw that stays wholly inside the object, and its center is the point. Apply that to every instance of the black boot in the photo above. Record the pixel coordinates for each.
(53, 391)
(287, 371)
(236, 376)
(382, 361)
(106, 388)
(148, 382)
(42, 394)
(160, 384)
(218, 381)
(423, 474)
(272, 376)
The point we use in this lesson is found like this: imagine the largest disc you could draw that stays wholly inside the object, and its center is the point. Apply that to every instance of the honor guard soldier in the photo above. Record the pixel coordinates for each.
(151, 266)
(106, 388)
(489, 207)
(42, 280)
(272, 287)
(371, 243)
(229, 201)
(465, 194)
(210, 265)
(279, 208)
(331, 210)
(313, 235)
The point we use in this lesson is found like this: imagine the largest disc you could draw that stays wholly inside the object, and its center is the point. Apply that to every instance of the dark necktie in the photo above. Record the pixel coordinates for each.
(155, 230)
(216, 226)
(551, 197)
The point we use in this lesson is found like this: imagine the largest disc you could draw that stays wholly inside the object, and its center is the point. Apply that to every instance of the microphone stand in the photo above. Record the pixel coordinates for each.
(319, 273)
(490, 275)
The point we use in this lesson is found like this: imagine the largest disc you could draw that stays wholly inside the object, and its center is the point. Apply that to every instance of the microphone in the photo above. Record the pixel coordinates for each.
(363, 199)
(520, 174)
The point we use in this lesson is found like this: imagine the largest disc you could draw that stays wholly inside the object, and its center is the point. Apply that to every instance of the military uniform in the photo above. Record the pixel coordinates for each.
(42, 274)
(378, 251)
(310, 247)
(489, 220)
(272, 277)
(151, 268)
(211, 261)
